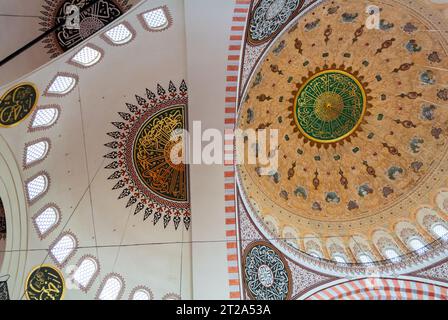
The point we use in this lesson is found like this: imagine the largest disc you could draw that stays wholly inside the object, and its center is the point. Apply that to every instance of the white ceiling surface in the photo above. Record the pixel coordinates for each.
(16, 30)
(19, 24)
(77, 154)
(207, 58)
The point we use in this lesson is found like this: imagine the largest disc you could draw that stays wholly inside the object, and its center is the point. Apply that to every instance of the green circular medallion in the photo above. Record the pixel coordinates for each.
(330, 106)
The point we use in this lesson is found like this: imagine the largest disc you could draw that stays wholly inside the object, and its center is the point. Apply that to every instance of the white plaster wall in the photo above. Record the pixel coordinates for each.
(207, 27)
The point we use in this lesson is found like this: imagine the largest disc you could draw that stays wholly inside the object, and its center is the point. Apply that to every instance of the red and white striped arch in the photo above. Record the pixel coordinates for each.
(239, 17)
(382, 289)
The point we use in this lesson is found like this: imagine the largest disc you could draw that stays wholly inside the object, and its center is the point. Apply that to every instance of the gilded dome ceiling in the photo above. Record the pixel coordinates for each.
(361, 117)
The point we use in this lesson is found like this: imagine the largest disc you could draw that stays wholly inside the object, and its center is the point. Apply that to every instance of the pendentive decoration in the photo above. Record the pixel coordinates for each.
(330, 106)
(17, 104)
(45, 282)
(147, 156)
(269, 17)
(56, 12)
(266, 273)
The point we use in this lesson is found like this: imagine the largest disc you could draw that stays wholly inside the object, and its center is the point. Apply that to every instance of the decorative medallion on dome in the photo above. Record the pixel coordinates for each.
(329, 106)
(362, 130)
(269, 17)
(266, 273)
(45, 282)
(93, 15)
(148, 159)
(152, 154)
(17, 104)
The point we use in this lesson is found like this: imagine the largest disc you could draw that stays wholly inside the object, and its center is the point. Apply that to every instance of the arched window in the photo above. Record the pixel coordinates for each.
(290, 237)
(37, 186)
(315, 254)
(44, 117)
(290, 240)
(171, 296)
(112, 288)
(61, 85)
(156, 19)
(439, 230)
(391, 254)
(86, 272)
(119, 35)
(365, 258)
(63, 248)
(87, 56)
(312, 247)
(46, 220)
(36, 152)
(339, 258)
(141, 293)
(416, 244)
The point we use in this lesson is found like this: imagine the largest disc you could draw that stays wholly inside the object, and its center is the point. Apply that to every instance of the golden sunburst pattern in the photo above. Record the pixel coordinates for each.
(148, 158)
(153, 154)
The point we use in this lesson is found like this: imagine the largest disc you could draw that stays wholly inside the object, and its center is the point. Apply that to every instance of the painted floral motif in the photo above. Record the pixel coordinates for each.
(266, 274)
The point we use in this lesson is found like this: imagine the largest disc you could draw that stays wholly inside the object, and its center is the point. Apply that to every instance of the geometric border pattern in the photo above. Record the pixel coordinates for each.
(382, 289)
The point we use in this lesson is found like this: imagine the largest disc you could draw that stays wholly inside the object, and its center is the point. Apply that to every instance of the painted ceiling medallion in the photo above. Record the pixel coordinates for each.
(99, 14)
(266, 274)
(269, 17)
(329, 106)
(152, 154)
(148, 156)
(361, 123)
(17, 104)
(45, 282)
